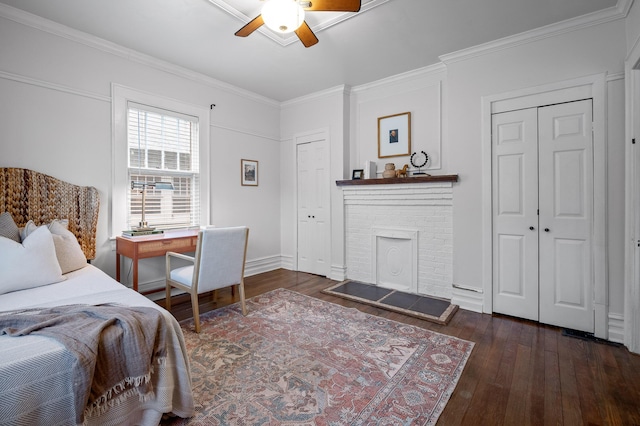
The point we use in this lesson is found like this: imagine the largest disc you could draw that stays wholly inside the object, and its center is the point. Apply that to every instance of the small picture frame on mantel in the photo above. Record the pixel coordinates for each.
(394, 135)
(248, 172)
(357, 174)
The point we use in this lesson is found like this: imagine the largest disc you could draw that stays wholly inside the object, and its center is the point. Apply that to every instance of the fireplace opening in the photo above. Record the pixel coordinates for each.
(395, 259)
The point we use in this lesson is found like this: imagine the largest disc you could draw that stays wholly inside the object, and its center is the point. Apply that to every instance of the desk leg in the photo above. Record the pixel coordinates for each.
(117, 266)
(135, 274)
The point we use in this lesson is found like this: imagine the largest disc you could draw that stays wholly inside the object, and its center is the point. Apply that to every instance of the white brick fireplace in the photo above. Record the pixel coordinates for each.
(400, 235)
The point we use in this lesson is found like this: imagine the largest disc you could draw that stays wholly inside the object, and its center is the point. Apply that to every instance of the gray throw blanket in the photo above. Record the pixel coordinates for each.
(115, 349)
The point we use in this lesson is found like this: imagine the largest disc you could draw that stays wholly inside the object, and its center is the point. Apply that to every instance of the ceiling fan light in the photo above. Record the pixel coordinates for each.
(283, 16)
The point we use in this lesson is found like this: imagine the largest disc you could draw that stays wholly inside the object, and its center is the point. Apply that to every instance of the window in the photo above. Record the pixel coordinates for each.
(157, 139)
(163, 147)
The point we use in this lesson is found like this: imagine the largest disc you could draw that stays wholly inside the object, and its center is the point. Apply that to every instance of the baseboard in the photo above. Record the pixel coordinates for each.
(467, 299)
(158, 285)
(616, 328)
(338, 273)
(286, 262)
(265, 264)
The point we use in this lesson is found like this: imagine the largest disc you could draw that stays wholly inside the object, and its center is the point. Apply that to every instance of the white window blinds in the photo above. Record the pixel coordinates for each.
(162, 147)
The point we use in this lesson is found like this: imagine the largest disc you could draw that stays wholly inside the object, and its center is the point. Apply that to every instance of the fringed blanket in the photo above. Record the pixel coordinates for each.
(115, 349)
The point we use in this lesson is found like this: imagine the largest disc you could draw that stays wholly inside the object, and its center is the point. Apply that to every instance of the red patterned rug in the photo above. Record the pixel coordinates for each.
(297, 360)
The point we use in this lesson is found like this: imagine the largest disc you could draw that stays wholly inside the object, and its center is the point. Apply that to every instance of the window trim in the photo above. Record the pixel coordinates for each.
(120, 97)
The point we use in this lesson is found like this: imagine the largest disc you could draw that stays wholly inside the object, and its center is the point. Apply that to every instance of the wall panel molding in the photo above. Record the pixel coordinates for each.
(245, 132)
(53, 86)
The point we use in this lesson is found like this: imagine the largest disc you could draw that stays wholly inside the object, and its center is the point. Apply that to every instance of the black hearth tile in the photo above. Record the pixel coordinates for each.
(430, 306)
(365, 291)
(400, 300)
(424, 307)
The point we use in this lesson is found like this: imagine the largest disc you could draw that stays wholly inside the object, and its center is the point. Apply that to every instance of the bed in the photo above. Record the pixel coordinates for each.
(36, 372)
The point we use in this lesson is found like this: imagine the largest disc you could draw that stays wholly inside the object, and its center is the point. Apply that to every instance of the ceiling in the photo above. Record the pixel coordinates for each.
(387, 37)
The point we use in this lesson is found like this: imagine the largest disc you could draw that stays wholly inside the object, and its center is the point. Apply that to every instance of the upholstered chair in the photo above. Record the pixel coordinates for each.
(218, 262)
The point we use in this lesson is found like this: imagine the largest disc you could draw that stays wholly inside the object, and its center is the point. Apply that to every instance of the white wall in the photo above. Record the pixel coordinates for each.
(55, 117)
(569, 55)
(327, 110)
(633, 26)
(255, 206)
(423, 94)
(615, 194)
(632, 92)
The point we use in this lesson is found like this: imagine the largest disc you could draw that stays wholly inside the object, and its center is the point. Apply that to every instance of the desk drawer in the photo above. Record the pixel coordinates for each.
(162, 246)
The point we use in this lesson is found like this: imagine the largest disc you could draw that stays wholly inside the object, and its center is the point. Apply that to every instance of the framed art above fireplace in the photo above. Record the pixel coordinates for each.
(394, 135)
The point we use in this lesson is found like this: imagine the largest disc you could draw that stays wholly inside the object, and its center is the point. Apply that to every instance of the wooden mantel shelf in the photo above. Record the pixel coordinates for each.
(386, 181)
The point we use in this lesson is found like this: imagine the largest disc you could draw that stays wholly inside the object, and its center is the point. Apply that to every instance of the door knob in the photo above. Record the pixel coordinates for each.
(531, 228)
(546, 229)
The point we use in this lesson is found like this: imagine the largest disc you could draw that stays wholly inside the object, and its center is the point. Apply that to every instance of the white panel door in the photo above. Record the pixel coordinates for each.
(542, 173)
(515, 217)
(566, 215)
(313, 208)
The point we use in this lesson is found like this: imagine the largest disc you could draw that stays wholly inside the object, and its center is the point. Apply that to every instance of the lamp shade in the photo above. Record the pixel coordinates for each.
(283, 16)
(155, 185)
(163, 185)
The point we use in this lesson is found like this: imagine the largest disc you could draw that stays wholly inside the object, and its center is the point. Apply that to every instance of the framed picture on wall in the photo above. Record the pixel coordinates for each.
(249, 172)
(394, 135)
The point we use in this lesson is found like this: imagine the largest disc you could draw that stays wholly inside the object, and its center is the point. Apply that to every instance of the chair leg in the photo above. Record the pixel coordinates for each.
(167, 300)
(242, 302)
(196, 311)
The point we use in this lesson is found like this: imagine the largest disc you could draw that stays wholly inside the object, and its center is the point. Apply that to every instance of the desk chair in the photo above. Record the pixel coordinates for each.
(219, 262)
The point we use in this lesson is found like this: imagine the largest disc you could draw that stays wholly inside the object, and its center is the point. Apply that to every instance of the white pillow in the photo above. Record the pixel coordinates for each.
(8, 227)
(68, 250)
(30, 264)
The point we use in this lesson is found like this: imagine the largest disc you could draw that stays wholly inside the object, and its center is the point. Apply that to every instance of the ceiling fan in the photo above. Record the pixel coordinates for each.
(285, 16)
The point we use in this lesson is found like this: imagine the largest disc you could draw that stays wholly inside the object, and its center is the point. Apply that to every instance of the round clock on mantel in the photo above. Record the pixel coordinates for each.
(419, 160)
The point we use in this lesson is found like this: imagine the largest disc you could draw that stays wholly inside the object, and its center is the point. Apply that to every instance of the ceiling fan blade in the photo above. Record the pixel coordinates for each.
(250, 27)
(306, 36)
(333, 5)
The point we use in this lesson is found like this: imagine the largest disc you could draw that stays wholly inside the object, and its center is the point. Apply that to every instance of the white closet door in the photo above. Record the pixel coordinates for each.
(566, 215)
(543, 214)
(515, 218)
(313, 208)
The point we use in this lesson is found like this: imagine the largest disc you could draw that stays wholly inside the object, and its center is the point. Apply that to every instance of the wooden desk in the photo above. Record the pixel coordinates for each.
(146, 246)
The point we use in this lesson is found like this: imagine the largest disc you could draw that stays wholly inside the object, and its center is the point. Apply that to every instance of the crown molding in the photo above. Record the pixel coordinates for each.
(614, 13)
(342, 89)
(615, 76)
(285, 40)
(30, 20)
(403, 77)
(624, 6)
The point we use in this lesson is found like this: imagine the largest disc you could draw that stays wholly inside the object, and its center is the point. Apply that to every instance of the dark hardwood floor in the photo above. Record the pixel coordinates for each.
(519, 373)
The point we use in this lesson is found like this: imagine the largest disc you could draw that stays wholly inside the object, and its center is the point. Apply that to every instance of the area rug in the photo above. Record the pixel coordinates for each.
(427, 308)
(298, 360)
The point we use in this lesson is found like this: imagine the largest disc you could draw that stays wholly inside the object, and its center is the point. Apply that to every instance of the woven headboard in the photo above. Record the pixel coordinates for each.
(29, 195)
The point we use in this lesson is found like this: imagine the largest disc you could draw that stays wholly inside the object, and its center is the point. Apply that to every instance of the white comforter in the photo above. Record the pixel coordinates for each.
(36, 383)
